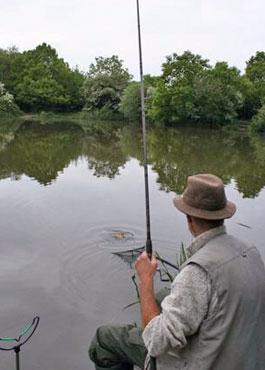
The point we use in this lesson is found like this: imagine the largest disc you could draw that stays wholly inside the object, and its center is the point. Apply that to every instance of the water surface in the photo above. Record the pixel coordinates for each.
(67, 190)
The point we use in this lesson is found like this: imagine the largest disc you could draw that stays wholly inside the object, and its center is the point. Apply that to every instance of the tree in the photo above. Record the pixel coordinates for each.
(12, 65)
(182, 69)
(105, 83)
(255, 69)
(216, 95)
(248, 107)
(258, 121)
(130, 104)
(40, 80)
(7, 104)
(255, 73)
(173, 93)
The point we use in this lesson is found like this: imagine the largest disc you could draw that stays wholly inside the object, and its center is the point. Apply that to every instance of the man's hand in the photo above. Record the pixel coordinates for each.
(145, 267)
(146, 270)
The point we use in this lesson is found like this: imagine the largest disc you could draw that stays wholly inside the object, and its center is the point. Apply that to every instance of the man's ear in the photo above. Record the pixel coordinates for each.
(189, 219)
(190, 224)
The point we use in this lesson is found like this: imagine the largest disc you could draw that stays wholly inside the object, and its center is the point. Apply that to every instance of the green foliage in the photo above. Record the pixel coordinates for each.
(258, 121)
(11, 67)
(7, 104)
(159, 107)
(173, 93)
(182, 69)
(105, 83)
(130, 104)
(216, 97)
(255, 70)
(151, 81)
(182, 256)
(255, 73)
(103, 114)
(191, 90)
(247, 90)
(188, 90)
(40, 80)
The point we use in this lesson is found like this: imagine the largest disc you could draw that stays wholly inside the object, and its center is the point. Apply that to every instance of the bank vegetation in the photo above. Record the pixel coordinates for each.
(188, 90)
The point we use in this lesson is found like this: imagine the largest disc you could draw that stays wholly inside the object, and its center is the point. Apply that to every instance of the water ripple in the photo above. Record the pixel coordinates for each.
(88, 266)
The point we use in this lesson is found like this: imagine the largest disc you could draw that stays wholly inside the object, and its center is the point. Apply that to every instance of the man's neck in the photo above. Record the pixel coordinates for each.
(203, 238)
(200, 231)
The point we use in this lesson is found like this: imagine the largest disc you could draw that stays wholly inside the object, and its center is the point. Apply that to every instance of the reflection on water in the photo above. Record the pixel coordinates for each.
(72, 195)
(42, 152)
(231, 155)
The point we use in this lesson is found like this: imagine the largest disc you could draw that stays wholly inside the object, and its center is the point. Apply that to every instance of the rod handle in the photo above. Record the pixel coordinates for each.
(149, 248)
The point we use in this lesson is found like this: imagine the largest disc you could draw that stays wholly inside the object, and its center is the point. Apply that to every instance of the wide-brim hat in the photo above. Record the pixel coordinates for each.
(204, 197)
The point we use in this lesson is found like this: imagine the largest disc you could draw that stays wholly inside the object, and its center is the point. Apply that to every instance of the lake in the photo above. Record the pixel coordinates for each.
(72, 193)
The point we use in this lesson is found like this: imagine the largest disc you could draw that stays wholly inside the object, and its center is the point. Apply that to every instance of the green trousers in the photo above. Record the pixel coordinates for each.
(120, 347)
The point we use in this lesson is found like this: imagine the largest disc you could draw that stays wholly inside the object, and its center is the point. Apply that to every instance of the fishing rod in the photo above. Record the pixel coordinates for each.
(148, 245)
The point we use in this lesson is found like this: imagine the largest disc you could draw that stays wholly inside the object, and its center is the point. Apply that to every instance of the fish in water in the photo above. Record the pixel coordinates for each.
(120, 235)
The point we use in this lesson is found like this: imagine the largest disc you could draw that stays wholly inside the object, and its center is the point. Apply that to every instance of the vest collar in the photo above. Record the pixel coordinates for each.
(204, 238)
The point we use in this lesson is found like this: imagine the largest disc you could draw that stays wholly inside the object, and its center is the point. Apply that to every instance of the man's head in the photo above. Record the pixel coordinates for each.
(204, 202)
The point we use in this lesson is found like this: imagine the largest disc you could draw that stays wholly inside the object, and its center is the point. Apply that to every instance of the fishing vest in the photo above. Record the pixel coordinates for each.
(233, 336)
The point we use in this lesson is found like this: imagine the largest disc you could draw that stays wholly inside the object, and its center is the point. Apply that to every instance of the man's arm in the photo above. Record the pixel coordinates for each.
(182, 311)
(146, 270)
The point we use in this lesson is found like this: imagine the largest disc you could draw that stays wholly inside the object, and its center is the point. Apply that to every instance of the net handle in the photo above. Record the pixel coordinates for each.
(25, 331)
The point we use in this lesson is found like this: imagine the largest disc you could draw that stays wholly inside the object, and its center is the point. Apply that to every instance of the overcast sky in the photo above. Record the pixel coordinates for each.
(80, 30)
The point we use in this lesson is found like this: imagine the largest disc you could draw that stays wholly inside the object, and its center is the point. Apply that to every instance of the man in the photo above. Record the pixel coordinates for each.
(214, 316)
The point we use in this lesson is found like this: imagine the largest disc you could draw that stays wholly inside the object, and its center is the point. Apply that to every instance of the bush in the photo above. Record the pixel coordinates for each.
(104, 85)
(7, 104)
(130, 104)
(104, 114)
(258, 121)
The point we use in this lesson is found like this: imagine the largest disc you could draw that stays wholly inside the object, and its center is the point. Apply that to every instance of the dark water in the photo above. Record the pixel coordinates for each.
(67, 193)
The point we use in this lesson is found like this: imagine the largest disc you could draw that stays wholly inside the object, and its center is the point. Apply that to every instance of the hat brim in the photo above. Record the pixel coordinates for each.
(227, 212)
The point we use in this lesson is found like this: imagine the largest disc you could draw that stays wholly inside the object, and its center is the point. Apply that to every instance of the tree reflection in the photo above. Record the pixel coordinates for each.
(103, 150)
(40, 151)
(176, 154)
(43, 151)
